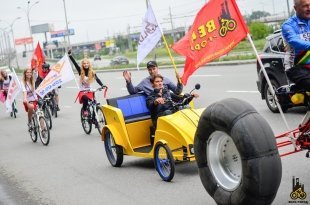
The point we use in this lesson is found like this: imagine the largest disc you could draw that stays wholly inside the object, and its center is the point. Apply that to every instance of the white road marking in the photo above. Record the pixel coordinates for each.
(215, 75)
(242, 91)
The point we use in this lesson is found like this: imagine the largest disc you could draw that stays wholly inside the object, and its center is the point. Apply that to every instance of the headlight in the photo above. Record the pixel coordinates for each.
(191, 149)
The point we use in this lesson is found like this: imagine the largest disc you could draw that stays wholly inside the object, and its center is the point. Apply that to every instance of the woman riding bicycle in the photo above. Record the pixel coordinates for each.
(30, 97)
(87, 76)
(4, 82)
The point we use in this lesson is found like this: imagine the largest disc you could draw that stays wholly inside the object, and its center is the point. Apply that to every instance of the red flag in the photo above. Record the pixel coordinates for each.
(38, 59)
(218, 28)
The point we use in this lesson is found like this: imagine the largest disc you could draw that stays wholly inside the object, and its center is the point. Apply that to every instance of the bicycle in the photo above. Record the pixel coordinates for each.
(39, 125)
(14, 110)
(46, 101)
(300, 136)
(53, 103)
(95, 114)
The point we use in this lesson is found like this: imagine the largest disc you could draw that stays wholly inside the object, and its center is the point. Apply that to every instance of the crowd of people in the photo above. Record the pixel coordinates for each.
(159, 106)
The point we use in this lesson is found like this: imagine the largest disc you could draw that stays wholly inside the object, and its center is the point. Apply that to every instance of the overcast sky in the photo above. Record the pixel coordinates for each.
(97, 19)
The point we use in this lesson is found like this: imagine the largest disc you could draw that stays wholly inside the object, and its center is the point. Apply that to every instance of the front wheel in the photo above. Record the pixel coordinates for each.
(14, 110)
(44, 131)
(48, 116)
(55, 107)
(114, 152)
(270, 99)
(164, 162)
(236, 153)
(100, 120)
(86, 121)
(33, 131)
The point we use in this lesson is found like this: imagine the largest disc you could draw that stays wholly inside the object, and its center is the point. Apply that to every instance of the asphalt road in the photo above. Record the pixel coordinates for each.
(73, 168)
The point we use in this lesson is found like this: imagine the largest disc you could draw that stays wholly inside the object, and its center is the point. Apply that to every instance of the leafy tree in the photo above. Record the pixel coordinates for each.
(259, 30)
(256, 15)
(121, 42)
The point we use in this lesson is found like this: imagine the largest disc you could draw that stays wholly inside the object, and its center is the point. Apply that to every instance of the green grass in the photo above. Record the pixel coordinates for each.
(243, 51)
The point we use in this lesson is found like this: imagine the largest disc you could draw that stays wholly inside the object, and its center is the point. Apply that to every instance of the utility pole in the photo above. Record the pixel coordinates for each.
(172, 27)
(288, 8)
(129, 38)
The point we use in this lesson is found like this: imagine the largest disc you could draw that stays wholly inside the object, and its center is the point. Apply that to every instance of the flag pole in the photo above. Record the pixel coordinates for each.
(77, 84)
(167, 47)
(268, 80)
(170, 56)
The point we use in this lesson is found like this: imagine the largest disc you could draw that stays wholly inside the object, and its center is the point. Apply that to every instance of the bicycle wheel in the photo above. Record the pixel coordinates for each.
(13, 113)
(86, 121)
(55, 106)
(44, 131)
(50, 104)
(48, 117)
(164, 162)
(114, 152)
(33, 131)
(100, 121)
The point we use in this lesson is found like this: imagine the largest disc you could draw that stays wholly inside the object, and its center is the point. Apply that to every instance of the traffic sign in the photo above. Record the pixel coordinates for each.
(62, 33)
(20, 41)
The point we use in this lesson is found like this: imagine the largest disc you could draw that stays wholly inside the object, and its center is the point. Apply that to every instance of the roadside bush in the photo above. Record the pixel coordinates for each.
(259, 30)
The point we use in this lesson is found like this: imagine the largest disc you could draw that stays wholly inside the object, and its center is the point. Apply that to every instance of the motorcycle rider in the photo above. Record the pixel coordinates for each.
(296, 33)
(159, 101)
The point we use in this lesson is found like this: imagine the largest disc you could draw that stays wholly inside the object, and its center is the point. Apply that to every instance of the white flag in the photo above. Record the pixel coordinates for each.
(60, 73)
(149, 36)
(14, 89)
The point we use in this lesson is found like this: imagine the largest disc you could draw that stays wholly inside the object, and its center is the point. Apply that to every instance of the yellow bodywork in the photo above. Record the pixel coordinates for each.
(176, 130)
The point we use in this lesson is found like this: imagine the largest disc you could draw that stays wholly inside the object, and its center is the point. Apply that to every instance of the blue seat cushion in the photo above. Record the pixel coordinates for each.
(133, 106)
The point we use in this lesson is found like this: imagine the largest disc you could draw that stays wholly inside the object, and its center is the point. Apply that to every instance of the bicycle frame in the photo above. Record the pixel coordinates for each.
(38, 112)
(93, 106)
(38, 118)
(299, 138)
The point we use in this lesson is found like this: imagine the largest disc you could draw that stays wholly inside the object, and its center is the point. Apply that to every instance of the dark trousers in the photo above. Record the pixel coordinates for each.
(84, 100)
(300, 76)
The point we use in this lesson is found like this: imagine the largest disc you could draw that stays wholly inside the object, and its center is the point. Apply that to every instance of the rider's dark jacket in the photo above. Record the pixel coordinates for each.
(159, 109)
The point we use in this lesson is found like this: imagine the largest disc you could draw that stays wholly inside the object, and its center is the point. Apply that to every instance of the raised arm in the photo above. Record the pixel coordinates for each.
(98, 80)
(77, 67)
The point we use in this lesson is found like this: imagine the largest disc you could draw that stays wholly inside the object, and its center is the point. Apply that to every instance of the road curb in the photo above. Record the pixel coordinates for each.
(181, 66)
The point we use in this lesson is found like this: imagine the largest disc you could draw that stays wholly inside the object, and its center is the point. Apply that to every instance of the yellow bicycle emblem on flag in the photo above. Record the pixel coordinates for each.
(227, 25)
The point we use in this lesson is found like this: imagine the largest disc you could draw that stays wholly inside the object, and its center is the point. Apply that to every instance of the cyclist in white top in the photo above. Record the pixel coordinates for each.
(87, 76)
(29, 96)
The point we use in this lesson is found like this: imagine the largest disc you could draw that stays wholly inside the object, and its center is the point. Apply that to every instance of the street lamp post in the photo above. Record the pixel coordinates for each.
(7, 46)
(13, 37)
(66, 23)
(27, 11)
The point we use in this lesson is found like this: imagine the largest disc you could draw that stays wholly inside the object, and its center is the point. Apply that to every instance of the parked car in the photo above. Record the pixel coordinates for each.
(272, 58)
(119, 60)
(97, 57)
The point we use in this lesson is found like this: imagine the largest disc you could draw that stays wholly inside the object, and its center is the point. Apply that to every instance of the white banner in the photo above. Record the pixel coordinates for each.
(149, 36)
(14, 89)
(60, 73)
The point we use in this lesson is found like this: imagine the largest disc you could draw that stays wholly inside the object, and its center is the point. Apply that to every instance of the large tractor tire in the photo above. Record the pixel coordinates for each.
(236, 153)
